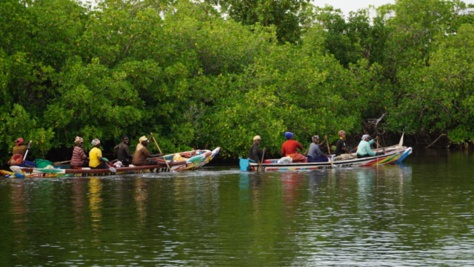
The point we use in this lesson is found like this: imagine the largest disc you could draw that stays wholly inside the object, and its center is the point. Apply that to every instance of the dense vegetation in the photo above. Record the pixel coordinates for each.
(201, 75)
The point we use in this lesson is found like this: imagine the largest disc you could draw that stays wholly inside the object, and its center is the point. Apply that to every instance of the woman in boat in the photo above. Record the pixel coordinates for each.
(290, 148)
(314, 152)
(18, 152)
(96, 161)
(142, 154)
(79, 157)
(255, 153)
(123, 151)
(364, 150)
(20, 147)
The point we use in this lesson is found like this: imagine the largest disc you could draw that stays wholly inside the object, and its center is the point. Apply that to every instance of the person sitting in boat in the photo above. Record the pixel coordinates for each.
(364, 150)
(314, 152)
(290, 148)
(18, 152)
(122, 151)
(20, 147)
(79, 157)
(255, 153)
(142, 155)
(96, 161)
(341, 147)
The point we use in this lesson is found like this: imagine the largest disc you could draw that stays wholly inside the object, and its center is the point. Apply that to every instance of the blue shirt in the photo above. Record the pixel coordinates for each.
(314, 151)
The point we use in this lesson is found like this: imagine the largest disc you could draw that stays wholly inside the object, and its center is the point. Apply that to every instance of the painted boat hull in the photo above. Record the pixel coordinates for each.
(393, 155)
(194, 162)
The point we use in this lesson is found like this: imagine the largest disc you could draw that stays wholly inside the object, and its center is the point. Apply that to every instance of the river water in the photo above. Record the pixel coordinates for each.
(416, 214)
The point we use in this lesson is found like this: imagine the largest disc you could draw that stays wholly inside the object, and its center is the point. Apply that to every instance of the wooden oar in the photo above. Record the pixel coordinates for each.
(329, 151)
(27, 148)
(377, 152)
(61, 162)
(111, 167)
(159, 149)
(260, 167)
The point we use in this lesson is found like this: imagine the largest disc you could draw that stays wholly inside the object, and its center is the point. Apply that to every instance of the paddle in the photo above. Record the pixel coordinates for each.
(159, 149)
(377, 152)
(27, 148)
(57, 163)
(260, 167)
(111, 167)
(329, 151)
(378, 145)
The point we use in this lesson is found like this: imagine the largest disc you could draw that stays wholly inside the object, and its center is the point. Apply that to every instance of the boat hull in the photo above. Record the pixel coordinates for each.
(198, 160)
(393, 155)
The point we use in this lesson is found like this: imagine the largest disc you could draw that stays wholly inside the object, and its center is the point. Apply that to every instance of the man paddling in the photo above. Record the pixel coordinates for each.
(255, 153)
(314, 152)
(364, 150)
(142, 154)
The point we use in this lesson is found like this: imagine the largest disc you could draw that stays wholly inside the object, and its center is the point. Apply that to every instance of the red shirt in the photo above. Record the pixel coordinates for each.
(290, 147)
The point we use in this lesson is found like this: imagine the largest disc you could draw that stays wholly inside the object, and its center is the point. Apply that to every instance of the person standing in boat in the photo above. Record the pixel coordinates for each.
(341, 147)
(79, 157)
(290, 148)
(255, 153)
(364, 150)
(123, 151)
(96, 161)
(142, 154)
(314, 152)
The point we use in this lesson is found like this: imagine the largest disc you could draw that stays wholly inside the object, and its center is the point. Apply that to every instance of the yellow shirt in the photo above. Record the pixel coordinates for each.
(94, 156)
(19, 150)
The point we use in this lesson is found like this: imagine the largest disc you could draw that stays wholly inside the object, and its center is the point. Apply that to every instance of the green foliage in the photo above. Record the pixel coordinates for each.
(94, 98)
(440, 96)
(199, 77)
(18, 123)
(284, 15)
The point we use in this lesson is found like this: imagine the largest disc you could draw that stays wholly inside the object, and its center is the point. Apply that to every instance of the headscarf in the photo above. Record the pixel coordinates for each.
(365, 136)
(143, 139)
(78, 140)
(19, 141)
(95, 142)
(257, 137)
(315, 137)
(288, 135)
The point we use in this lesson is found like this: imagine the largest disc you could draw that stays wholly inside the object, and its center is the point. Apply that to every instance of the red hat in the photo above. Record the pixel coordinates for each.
(19, 141)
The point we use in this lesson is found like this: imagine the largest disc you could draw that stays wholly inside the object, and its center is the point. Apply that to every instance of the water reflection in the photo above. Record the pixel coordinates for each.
(292, 182)
(315, 180)
(79, 193)
(386, 216)
(141, 195)
(19, 213)
(95, 203)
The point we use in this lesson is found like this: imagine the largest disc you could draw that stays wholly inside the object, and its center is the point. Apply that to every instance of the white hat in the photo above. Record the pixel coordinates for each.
(95, 142)
(365, 136)
(257, 137)
(143, 139)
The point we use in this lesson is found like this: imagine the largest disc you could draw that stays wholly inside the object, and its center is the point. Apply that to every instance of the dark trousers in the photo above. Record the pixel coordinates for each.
(318, 159)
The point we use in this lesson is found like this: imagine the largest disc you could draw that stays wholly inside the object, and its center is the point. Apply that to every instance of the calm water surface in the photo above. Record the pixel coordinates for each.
(417, 214)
